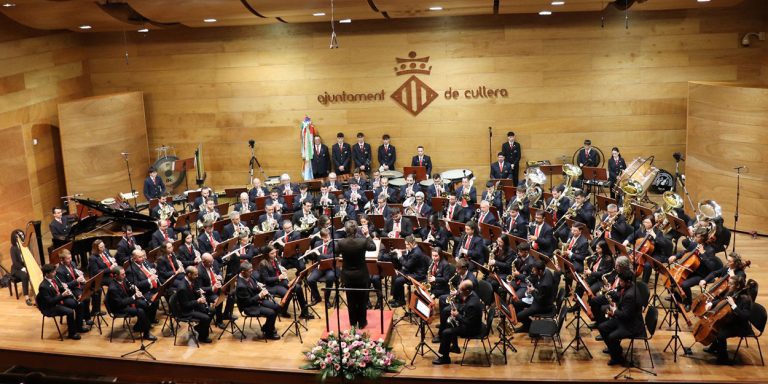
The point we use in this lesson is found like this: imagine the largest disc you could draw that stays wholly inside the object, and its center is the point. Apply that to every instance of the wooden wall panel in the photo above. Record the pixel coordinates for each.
(94, 133)
(728, 127)
(16, 207)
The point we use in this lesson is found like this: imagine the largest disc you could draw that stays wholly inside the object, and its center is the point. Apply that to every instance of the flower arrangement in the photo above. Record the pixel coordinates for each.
(360, 356)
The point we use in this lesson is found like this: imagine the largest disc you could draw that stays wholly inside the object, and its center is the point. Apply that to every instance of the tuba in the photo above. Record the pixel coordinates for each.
(534, 178)
(572, 173)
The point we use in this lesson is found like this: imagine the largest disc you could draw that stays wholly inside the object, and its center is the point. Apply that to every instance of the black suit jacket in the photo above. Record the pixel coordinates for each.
(415, 264)
(512, 154)
(253, 193)
(545, 289)
(187, 254)
(239, 207)
(59, 231)
(472, 196)
(204, 243)
(504, 173)
(355, 271)
(164, 267)
(68, 277)
(456, 215)
(362, 157)
(158, 239)
(620, 230)
(96, 264)
(124, 249)
(615, 168)
(321, 161)
(47, 298)
(470, 316)
(187, 295)
(136, 276)
(247, 293)
(406, 226)
(518, 227)
(580, 252)
(588, 160)
(426, 162)
(476, 250)
(388, 156)
(204, 281)
(342, 156)
(545, 243)
(153, 190)
(586, 215)
(119, 297)
(629, 309)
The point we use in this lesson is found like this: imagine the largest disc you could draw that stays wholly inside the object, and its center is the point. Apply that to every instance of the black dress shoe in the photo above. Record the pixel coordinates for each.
(207, 340)
(369, 305)
(616, 361)
(74, 337)
(150, 337)
(593, 325)
(221, 325)
(435, 340)
(573, 309)
(272, 336)
(307, 316)
(687, 307)
(89, 322)
(455, 349)
(599, 337)
(710, 349)
(155, 321)
(83, 330)
(606, 351)
(30, 303)
(441, 360)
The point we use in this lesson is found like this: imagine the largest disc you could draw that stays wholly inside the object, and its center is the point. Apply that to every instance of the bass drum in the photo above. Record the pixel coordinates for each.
(172, 178)
(664, 182)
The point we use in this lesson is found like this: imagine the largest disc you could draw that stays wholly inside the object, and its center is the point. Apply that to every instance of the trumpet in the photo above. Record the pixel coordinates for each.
(342, 213)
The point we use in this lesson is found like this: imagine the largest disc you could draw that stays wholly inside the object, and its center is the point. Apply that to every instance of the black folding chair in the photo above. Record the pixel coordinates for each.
(548, 328)
(483, 337)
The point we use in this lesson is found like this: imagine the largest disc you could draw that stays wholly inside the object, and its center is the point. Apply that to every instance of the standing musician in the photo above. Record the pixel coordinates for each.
(616, 165)
(124, 298)
(501, 169)
(708, 263)
(253, 300)
(435, 233)
(422, 160)
(588, 157)
(397, 226)
(18, 267)
(355, 272)
(439, 273)
(512, 153)
(599, 303)
(500, 263)
(55, 300)
(205, 194)
(576, 251)
(209, 239)
(470, 246)
(276, 280)
(613, 225)
(193, 303)
(626, 317)
(143, 276)
(437, 189)
(738, 325)
(323, 247)
(355, 195)
(467, 316)
(341, 155)
(453, 210)
(362, 155)
(168, 265)
(163, 233)
(542, 290)
(734, 266)
(386, 190)
(210, 281)
(257, 190)
(100, 260)
(661, 249)
(522, 268)
(275, 201)
(286, 187)
(59, 227)
(515, 224)
(602, 266)
(414, 264)
(492, 195)
(387, 155)
(485, 216)
(244, 205)
(73, 279)
(153, 185)
(321, 159)
(125, 246)
(235, 226)
(273, 220)
(541, 236)
(410, 188)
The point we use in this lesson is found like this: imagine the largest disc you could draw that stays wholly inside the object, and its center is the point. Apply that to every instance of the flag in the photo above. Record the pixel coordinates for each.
(307, 147)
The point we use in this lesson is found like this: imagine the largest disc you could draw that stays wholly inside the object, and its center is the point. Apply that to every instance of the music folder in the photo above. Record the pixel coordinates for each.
(163, 287)
(421, 307)
(594, 173)
(225, 290)
(295, 248)
(90, 286)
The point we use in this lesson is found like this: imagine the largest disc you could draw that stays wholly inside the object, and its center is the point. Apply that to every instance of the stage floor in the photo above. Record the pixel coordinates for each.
(21, 331)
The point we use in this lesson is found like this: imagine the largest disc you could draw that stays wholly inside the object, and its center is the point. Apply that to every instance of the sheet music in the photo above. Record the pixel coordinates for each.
(423, 308)
(506, 286)
(374, 255)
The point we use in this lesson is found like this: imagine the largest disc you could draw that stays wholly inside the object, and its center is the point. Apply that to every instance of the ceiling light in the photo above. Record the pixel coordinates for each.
(211, 20)
(143, 30)
(85, 27)
(436, 8)
(9, 5)
(703, 1)
(345, 21)
(558, 3)
(318, 14)
(545, 13)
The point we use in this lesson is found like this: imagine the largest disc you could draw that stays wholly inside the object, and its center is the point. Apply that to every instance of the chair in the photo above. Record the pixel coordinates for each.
(175, 313)
(548, 328)
(757, 317)
(559, 300)
(485, 291)
(56, 323)
(13, 285)
(483, 337)
(250, 318)
(126, 321)
(649, 328)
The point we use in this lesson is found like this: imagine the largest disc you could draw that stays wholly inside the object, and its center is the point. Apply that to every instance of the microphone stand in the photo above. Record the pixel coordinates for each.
(130, 179)
(736, 213)
(490, 145)
(254, 160)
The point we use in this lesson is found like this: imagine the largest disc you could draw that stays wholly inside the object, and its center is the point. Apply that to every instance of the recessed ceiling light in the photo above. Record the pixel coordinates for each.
(545, 13)
(436, 8)
(85, 27)
(345, 21)
(9, 5)
(703, 1)
(211, 20)
(318, 14)
(558, 2)
(143, 30)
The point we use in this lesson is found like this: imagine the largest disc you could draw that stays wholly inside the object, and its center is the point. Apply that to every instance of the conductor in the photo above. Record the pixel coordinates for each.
(354, 274)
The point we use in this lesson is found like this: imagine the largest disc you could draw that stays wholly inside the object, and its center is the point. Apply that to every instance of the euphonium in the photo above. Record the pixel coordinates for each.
(166, 212)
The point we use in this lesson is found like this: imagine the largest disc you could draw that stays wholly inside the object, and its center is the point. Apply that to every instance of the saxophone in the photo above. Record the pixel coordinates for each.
(451, 300)
(428, 285)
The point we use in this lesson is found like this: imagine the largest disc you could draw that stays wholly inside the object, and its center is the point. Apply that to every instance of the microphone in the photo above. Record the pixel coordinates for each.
(742, 167)
(678, 156)
(125, 153)
(251, 143)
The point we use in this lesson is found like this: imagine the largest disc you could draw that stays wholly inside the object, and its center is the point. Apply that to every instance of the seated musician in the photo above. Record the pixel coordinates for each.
(189, 252)
(420, 208)
(384, 189)
(271, 219)
(708, 263)
(365, 227)
(576, 250)
(163, 233)
(193, 303)
(412, 263)
(599, 303)
(515, 224)
(333, 183)
(153, 185)
(74, 280)
(439, 273)
(410, 188)
(168, 265)
(558, 205)
(305, 217)
(163, 210)
(522, 267)
(520, 201)
(380, 207)
(18, 267)
(542, 238)
(54, 299)
(585, 213)
(614, 225)
(242, 251)
(349, 212)
(284, 236)
(501, 169)
(322, 249)
(470, 246)
(492, 195)
(254, 300)
(208, 212)
(325, 201)
(304, 195)
(437, 189)
(375, 180)
(462, 318)
(257, 190)
(435, 233)
(209, 239)
(244, 204)
(124, 298)
(276, 280)
(466, 195)
(59, 227)
(740, 302)
(209, 279)
(460, 274)
(287, 188)
(100, 260)
(602, 266)
(235, 227)
(142, 274)
(398, 226)
(500, 263)
(485, 215)
(358, 177)
(453, 210)
(276, 201)
(125, 246)
(355, 195)
(206, 193)
(734, 266)
(625, 317)
(541, 294)
(422, 160)
(662, 247)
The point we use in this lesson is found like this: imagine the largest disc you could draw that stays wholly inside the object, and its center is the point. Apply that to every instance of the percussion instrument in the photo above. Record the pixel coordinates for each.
(638, 176)
(455, 175)
(391, 174)
(271, 182)
(664, 182)
(399, 182)
(427, 183)
(164, 166)
(593, 148)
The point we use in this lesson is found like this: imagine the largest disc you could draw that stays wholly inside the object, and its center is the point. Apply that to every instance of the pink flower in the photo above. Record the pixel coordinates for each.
(361, 364)
(322, 365)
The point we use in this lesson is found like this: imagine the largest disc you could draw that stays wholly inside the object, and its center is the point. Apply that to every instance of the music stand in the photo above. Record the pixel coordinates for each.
(551, 170)
(378, 221)
(89, 287)
(184, 165)
(386, 272)
(547, 217)
(509, 191)
(152, 254)
(392, 243)
(222, 208)
(675, 342)
(234, 192)
(423, 310)
(224, 293)
(594, 174)
(455, 227)
(678, 225)
(662, 270)
(162, 288)
(295, 248)
(490, 232)
(638, 211)
(53, 257)
(616, 248)
(547, 260)
(578, 342)
(262, 239)
(601, 202)
(261, 202)
(295, 326)
(514, 240)
(192, 195)
(508, 314)
(419, 172)
(218, 225)
(438, 203)
(250, 218)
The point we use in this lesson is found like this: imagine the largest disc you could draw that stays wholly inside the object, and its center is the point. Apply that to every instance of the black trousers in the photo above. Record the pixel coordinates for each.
(525, 311)
(598, 305)
(204, 322)
(357, 300)
(23, 277)
(268, 309)
(327, 276)
(69, 308)
(450, 335)
(612, 332)
(142, 320)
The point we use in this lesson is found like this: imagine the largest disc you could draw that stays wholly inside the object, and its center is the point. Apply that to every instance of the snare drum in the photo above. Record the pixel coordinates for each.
(399, 182)
(392, 174)
(455, 175)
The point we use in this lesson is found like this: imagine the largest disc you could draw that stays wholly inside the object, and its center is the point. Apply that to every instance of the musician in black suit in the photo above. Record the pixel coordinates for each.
(362, 155)
(542, 291)
(322, 249)
(500, 262)
(738, 325)
(523, 269)
(512, 153)
(453, 210)
(541, 237)
(386, 154)
(616, 165)
(467, 197)
(588, 156)
(357, 177)
(286, 187)
(206, 193)
(515, 224)
(485, 215)
(422, 160)
(209, 279)
(18, 267)
(100, 260)
(626, 318)
(576, 250)
(209, 239)
(355, 272)
(254, 301)
(74, 280)
(460, 273)
(410, 188)
(437, 189)
(162, 208)
(244, 205)
(470, 246)
(602, 266)
(257, 190)
(193, 303)
(413, 263)
(321, 159)
(467, 315)
(492, 195)
(586, 212)
(392, 196)
(305, 213)
(124, 298)
(54, 300)
(662, 246)
(341, 155)
(125, 246)
(325, 201)
(349, 210)
(277, 284)
(59, 227)
(242, 251)
(143, 275)
(235, 227)
(501, 169)
(398, 226)
(380, 207)
(163, 233)
(599, 302)
(168, 265)
(435, 233)
(274, 218)
(439, 273)
(614, 225)
(153, 185)
(708, 263)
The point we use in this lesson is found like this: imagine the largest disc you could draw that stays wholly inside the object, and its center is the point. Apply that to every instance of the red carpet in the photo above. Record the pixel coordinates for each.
(374, 328)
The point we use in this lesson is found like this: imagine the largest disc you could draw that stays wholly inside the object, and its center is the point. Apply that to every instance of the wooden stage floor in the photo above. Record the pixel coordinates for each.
(20, 331)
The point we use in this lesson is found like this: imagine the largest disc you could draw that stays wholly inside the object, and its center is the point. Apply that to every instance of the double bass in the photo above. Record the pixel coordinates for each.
(714, 291)
(705, 331)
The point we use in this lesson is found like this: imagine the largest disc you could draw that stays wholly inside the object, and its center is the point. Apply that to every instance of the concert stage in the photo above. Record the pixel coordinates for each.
(253, 360)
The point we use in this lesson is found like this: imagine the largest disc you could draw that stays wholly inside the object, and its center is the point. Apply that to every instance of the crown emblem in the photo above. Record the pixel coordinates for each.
(412, 65)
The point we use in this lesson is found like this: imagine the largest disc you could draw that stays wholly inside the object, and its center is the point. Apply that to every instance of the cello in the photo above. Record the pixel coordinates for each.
(685, 266)
(642, 248)
(705, 331)
(715, 290)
